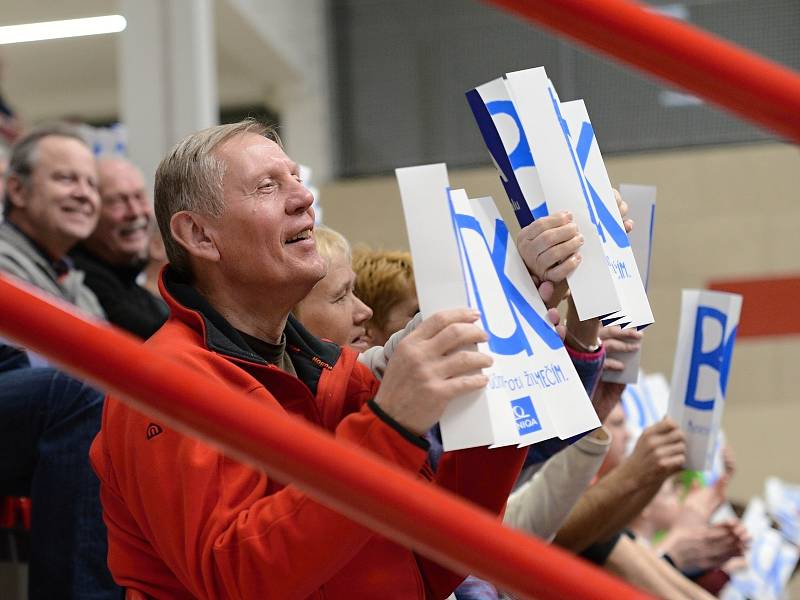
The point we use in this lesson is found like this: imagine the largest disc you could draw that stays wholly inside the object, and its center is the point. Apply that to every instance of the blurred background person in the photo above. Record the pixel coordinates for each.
(385, 282)
(51, 204)
(115, 253)
(47, 418)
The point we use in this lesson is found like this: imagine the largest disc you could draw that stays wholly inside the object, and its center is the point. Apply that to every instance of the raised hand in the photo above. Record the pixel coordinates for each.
(431, 366)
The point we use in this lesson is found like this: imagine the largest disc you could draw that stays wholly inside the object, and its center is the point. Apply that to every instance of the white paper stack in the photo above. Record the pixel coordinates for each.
(464, 256)
(546, 167)
(783, 501)
(641, 201)
(770, 559)
(703, 354)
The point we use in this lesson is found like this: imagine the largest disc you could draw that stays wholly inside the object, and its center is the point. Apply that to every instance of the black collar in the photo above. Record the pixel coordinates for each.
(127, 274)
(222, 337)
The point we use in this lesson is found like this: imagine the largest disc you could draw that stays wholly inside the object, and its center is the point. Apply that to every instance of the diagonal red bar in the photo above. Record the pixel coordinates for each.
(748, 85)
(368, 490)
(769, 306)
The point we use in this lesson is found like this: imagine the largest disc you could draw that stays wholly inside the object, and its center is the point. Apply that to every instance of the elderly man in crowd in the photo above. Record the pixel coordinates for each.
(51, 203)
(48, 419)
(187, 522)
(116, 252)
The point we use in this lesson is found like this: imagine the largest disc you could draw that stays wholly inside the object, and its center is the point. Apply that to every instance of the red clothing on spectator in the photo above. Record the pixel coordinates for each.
(186, 522)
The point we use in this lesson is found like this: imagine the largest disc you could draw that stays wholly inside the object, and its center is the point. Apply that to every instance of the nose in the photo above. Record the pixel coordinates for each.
(300, 198)
(362, 313)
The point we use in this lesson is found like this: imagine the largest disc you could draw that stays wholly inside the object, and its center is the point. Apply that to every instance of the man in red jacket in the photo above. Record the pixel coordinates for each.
(187, 522)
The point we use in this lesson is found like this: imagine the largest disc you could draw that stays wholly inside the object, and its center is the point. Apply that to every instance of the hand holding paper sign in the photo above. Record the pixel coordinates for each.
(659, 453)
(619, 341)
(431, 366)
(550, 247)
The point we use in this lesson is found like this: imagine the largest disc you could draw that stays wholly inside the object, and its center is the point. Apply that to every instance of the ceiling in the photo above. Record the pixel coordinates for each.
(77, 77)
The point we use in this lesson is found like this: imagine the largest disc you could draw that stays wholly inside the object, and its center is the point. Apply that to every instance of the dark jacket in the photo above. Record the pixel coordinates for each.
(126, 304)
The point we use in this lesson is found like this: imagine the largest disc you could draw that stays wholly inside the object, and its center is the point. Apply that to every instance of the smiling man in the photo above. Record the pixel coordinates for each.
(116, 252)
(48, 419)
(187, 522)
(51, 203)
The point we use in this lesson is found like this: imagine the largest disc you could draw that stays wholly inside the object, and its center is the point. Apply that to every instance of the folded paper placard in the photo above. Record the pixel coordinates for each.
(534, 392)
(548, 162)
(706, 337)
(641, 200)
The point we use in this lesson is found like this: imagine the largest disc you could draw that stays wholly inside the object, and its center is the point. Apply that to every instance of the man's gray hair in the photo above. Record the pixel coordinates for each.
(24, 153)
(190, 178)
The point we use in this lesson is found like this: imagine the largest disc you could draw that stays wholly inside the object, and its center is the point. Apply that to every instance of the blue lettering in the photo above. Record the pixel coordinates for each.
(606, 219)
(717, 359)
(602, 218)
(517, 342)
(521, 156)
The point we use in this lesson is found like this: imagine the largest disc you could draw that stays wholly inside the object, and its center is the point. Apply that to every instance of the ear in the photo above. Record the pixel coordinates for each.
(16, 191)
(192, 232)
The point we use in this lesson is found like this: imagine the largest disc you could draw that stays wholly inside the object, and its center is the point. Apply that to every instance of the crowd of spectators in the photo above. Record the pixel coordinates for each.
(255, 296)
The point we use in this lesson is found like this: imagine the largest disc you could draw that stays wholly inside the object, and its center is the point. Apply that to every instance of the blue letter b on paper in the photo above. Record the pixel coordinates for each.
(525, 415)
(717, 359)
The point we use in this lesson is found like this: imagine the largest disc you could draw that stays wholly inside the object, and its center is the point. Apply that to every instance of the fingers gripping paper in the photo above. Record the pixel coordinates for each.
(463, 256)
(703, 355)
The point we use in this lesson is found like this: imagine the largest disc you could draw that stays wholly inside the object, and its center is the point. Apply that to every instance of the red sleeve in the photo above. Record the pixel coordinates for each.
(219, 530)
(482, 476)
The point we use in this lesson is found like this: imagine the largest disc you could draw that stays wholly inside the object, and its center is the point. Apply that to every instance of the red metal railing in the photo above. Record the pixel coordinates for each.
(368, 490)
(361, 486)
(753, 87)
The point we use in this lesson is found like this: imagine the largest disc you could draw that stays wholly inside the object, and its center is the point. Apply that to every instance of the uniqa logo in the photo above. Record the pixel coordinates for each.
(525, 415)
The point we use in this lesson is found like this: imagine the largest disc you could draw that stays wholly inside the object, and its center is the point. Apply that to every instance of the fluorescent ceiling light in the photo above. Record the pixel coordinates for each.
(53, 30)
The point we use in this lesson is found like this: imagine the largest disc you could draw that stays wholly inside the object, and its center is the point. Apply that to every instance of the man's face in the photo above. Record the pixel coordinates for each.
(332, 311)
(123, 231)
(265, 235)
(61, 205)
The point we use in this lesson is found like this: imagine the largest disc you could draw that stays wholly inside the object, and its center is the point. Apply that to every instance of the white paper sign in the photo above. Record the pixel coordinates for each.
(529, 140)
(508, 146)
(440, 281)
(534, 392)
(607, 221)
(641, 200)
(783, 500)
(703, 354)
(531, 364)
(770, 559)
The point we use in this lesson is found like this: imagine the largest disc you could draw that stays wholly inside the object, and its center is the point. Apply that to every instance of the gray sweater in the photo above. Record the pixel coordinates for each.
(20, 258)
